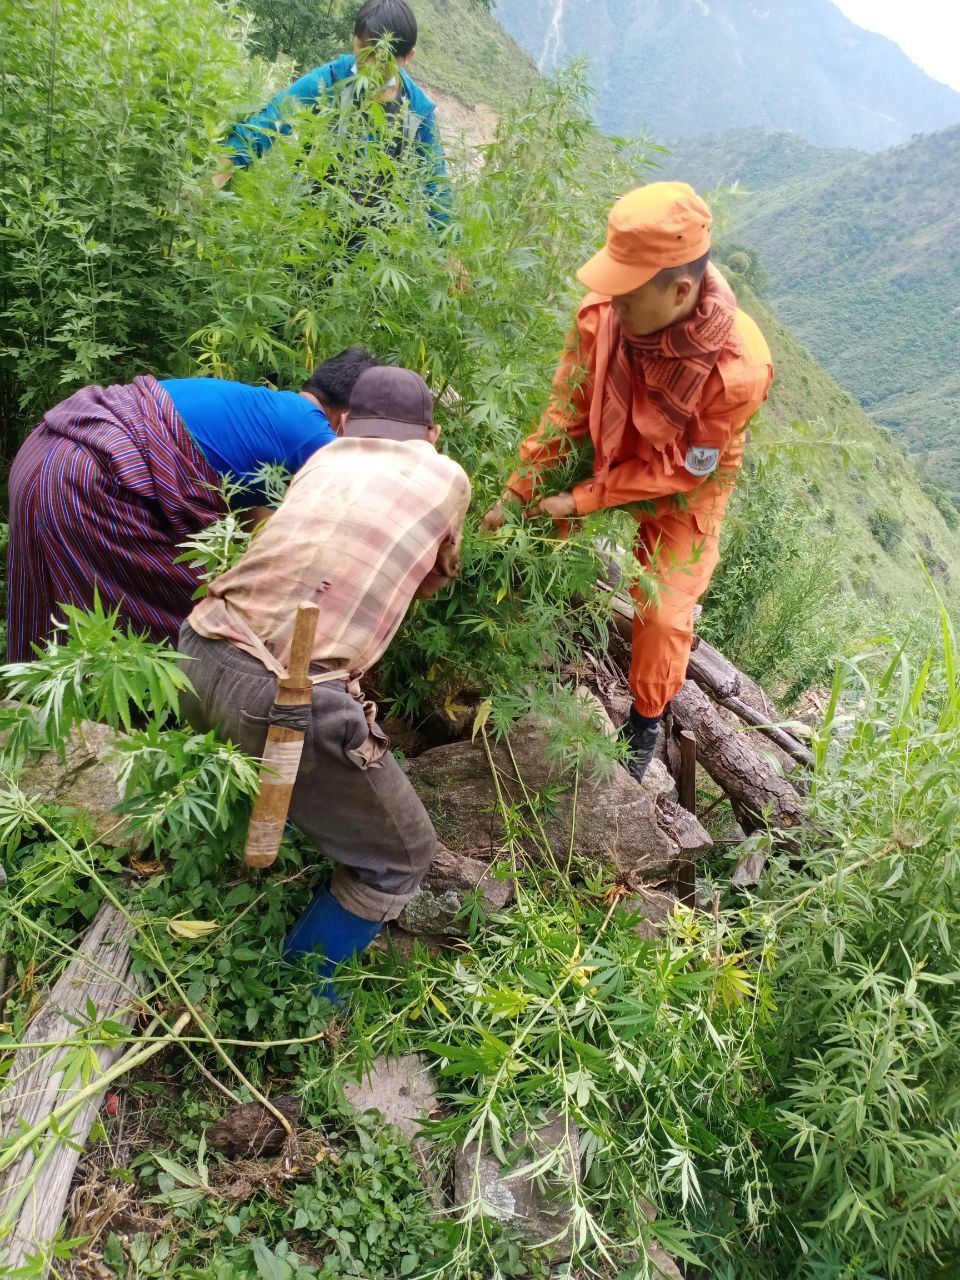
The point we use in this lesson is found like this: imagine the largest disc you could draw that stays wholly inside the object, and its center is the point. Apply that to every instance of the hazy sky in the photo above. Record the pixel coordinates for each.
(928, 31)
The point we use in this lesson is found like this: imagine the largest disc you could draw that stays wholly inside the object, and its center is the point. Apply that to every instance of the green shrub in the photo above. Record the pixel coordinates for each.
(886, 527)
(108, 114)
(774, 605)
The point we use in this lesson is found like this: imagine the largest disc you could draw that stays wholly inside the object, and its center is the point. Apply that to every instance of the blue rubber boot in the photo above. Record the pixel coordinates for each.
(330, 933)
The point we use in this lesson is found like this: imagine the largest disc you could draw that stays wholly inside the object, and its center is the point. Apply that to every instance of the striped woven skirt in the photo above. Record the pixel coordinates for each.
(102, 493)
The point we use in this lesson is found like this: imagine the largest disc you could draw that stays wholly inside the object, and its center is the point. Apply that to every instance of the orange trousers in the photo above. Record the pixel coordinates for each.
(683, 559)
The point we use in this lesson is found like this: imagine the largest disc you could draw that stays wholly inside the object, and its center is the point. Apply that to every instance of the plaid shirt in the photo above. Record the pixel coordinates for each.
(360, 530)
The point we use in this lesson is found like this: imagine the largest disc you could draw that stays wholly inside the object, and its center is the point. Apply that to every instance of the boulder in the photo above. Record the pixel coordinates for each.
(84, 777)
(617, 822)
(658, 782)
(540, 1207)
(655, 906)
(452, 877)
(404, 1093)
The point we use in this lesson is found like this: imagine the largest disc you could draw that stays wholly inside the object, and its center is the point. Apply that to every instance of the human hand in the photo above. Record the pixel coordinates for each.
(560, 507)
(496, 517)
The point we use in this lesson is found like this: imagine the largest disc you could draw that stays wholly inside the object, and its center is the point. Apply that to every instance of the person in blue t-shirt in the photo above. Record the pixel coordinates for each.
(240, 429)
(105, 490)
(401, 97)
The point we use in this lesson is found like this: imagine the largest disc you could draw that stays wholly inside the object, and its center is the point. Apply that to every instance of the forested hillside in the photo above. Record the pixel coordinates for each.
(679, 68)
(862, 486)
(863, 255)
(756, 159)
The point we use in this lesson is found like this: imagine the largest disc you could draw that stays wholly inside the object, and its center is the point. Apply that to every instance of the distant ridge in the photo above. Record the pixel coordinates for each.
(679, 68)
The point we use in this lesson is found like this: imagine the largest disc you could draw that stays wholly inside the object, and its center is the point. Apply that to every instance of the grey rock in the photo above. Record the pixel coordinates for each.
(658, 781)
(85, 777)
(663, 1266)
(434, 908)
(404, 1093)
(749, 871)
(691, 837)
(540, 1208)
(616, 820)
(655, 906)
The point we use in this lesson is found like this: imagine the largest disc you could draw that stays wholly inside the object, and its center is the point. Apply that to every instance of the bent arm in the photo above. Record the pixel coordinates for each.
(644, 480)
(566, 419)
(253, 137)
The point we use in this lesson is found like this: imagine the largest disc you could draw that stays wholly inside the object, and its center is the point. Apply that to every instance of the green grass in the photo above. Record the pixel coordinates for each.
(878, 477)
(463, 50)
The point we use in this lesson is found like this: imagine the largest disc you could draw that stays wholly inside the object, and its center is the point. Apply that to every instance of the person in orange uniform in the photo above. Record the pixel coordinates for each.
(664, 372)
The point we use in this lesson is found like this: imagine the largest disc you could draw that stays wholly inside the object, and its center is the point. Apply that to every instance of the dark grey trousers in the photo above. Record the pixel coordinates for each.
(367, 818)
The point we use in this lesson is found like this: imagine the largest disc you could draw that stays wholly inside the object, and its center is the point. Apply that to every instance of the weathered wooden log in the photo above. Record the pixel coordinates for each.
(99, 976)
(758, 793)
(733, 689)
(729, 686)
(717, 674)
(784, 740)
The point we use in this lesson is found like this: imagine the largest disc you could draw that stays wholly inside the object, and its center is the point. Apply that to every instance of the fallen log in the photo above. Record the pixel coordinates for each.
(784, 740)
(34, 1188)
(717, 674)
(759, 795)
(729, 686)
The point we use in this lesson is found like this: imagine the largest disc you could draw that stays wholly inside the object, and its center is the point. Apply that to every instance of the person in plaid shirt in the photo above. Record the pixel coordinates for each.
(370, 522)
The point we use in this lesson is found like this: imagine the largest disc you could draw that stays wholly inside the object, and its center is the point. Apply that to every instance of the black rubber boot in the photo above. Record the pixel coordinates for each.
(641, 732)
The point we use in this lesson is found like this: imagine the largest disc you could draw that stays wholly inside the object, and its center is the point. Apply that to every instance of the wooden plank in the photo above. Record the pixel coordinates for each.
(99, 975)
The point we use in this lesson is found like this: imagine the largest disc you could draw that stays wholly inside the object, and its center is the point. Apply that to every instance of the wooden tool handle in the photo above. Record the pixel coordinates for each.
(301, 646)
(281, 751)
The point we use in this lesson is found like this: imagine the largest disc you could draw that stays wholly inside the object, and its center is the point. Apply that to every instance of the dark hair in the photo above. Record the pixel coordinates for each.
(334, 380)
(690, 270)
(378, 18)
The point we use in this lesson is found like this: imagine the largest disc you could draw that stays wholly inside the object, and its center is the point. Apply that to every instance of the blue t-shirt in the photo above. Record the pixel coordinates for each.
(238, 427)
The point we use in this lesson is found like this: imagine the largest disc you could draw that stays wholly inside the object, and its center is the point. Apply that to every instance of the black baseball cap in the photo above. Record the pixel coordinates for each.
(389, 402)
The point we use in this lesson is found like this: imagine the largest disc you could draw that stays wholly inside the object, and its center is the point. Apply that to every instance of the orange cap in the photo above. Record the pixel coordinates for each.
(665, 224)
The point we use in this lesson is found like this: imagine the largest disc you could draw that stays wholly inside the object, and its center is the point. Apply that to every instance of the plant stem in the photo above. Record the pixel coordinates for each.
(127, 1063)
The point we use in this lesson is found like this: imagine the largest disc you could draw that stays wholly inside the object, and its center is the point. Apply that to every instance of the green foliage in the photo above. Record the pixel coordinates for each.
(743, 265)
(303, 30)
(97, 671)
(463, 49)
(821, 450)
(108, 114)
(942, 501)
(181, 786)
(273, 250)
(886, 527)
(774, 606)
(867, 1054)
(560, 1009)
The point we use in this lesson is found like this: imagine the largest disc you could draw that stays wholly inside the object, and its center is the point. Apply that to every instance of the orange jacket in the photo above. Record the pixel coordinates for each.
(646, 464)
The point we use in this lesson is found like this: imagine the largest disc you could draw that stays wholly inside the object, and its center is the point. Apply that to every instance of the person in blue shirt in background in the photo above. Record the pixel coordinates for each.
(240, 428)
(376, 20)
(107, 487)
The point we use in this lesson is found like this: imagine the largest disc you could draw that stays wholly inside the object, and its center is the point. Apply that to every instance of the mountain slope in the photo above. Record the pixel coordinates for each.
(463, 51)
(885, 514)
(863, 255)
(678, 68)
(757, 159)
